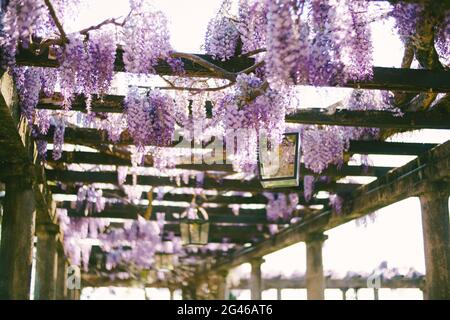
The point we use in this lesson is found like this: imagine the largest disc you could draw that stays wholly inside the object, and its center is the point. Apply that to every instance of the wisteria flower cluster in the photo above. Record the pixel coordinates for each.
(90, 200)
(86, 66)
(146, 38)
(245, 119)
(280, 205)
(76, 231)
(222, 35)
(150, 119)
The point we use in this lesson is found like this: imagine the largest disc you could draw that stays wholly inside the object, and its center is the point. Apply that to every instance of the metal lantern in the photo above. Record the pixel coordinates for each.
(164, 261)
(194, 226)
(279, 168)
(164, 257)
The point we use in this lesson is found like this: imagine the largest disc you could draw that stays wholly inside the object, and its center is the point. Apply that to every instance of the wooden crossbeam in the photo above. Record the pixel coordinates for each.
(219, 200)
(436, 119)
(373, 119)
(383, 78)
(97, 158)
(83, 136)
(216, 215)
(406, 181)
(209, 183)
(27, 58)
(354, 282)
(273, 283)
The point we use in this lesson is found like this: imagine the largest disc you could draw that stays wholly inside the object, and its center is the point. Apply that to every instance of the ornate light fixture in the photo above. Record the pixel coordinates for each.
(165, 257)
(279, 168)
(194, 226)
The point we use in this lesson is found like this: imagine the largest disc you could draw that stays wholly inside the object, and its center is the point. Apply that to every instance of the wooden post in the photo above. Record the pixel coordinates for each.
(315, 281)
(61, 280)
(171, 293)
(256, 278)
(222, 290)
(344, 294)
(16, 248)
(46, 261)
(189, 291)
(279, 294)
(376, 295)
(435, 224)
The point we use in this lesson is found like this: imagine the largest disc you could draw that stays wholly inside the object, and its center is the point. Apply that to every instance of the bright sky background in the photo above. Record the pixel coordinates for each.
(396, 234)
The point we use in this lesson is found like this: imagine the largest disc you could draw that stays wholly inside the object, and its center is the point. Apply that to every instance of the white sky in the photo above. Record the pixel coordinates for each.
(396, 234)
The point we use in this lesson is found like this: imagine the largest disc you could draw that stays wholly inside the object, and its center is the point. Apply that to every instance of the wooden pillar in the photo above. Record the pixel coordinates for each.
(315, 281)
(222, 289)
(16, 249)
(46, 261)
(376, 295)
(171, 293)
(435, 224)
(61, 279)
(189, 291)
(256, 278)
(344, 294)
(279, 294)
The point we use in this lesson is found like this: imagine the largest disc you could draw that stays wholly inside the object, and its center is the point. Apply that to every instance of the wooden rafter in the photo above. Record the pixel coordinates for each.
(384, 78)
(209, 183)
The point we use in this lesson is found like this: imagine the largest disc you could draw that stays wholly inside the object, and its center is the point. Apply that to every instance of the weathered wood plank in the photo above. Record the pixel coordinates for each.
(209, 183)
(219, 200)
(383, 78)
(373, 119)
(82, 136)
(98, 158)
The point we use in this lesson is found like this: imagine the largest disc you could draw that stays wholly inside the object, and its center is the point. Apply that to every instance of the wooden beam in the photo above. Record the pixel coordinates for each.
(383, 78)
(220, 200)
(216, 215)
(209, 183)
(98, 158)
(435, 119)
(355, 282)
(82, 136)
(373, 119)
(27, 58)
(297, 282)
(406, 181)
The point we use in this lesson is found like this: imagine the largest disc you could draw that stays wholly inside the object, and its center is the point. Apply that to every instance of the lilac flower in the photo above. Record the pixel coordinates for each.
(308, 187)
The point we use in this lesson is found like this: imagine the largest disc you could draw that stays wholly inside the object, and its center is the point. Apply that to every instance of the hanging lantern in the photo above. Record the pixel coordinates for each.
(164, 257)
(194, 226)
(279, 167)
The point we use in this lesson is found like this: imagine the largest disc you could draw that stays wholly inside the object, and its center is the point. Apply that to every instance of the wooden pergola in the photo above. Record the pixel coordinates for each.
(29, 207)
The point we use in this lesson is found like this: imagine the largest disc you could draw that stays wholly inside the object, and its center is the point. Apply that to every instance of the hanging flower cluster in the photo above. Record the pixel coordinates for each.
(145, 37)
(20, 22)
(76, 231)
(90, 200)
(86, 66)
(325, 145)
(222, 35)
(134, 244)
(406, 17)
(244, 119)
(252, 22)
(150, 119)
(322, 147)
(310, 48)
(280, 205)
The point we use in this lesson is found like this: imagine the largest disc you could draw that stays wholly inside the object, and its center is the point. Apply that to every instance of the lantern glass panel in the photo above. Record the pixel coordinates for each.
(164, 261)
(194, 232)
(279, 167)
